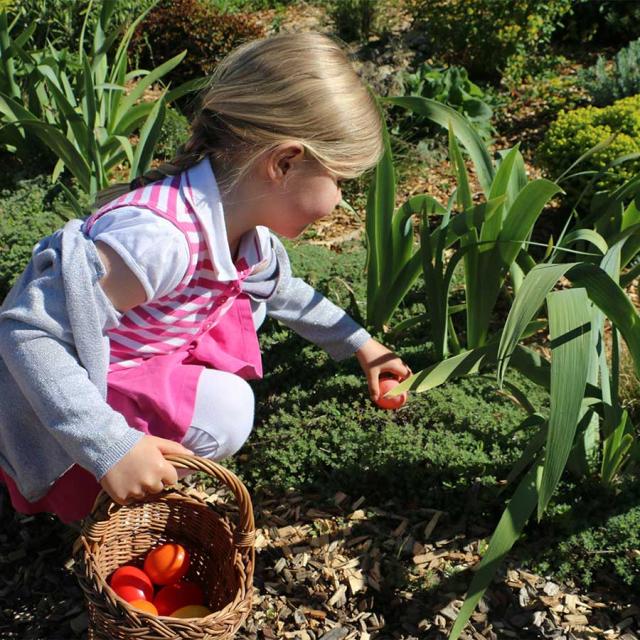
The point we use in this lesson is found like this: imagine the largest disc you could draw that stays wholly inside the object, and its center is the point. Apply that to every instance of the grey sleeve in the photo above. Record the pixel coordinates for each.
(59, 361)
(68, 405)
(303, 309)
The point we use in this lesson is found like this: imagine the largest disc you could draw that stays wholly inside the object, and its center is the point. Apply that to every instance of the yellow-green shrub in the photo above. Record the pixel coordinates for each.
(575, 132)
(488, 36)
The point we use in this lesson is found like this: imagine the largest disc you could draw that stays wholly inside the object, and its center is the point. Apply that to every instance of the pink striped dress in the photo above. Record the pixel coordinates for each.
(160, 348)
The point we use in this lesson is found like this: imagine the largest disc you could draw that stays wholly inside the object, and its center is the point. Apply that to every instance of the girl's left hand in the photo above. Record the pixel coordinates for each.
(375, 359)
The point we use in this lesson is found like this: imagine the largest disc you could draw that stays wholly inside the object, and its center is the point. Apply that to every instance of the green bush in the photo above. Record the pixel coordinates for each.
(207, 35)
(452, 87)
(174, 132)
(60, 23)
(603, 539)
(575, 132)
(488, 37)
(605, 22)
(608, 83)
(316, 428)
(27, 215)
(354, 19)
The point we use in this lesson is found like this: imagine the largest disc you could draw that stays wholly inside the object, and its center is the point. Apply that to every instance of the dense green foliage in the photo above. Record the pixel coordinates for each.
(608, 22)
(354, 19)
(26, 216)
(575, 132)
(316, 427)
(206, 34)
(608, 83)
(488, 38)
(174, 132)
(597, 543)
(59, 22)
(452, 87)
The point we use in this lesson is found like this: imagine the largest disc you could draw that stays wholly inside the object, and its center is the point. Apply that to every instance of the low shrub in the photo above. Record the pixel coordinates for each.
(452, 87)
(575, 132)
(174, 132)
(27, 214)
(354, 19)
(600, 542)
(489, 38)
(207, 35)
(608, 82)
(60, 24)
(316, 428)
(606, 22)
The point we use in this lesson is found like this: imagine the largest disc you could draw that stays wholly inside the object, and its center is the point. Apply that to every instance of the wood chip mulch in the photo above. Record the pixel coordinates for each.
(343, 571)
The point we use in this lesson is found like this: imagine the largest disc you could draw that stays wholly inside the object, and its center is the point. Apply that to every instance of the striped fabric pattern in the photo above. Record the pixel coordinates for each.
(170, 323)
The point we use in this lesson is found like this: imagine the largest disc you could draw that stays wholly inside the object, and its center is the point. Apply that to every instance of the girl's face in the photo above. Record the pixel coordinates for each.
(310, 193)
(290, 191)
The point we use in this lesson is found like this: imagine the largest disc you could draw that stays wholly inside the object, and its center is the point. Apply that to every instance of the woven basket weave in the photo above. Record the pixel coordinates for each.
(222, 558)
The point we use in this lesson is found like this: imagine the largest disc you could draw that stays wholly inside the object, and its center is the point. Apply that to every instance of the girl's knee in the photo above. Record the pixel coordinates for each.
(223, 416)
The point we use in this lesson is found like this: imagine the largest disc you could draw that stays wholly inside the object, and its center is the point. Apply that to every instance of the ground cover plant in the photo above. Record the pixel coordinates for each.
(523, 333)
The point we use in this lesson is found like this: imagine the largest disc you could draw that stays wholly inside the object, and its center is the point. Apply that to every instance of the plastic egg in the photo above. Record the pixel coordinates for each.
(395, 402)
(192, 611)
(167, 563)
(131, 583)
(145, 605)
(176, 596)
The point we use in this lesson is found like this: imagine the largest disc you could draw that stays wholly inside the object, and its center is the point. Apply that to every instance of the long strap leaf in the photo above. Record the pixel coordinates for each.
(509, 528)
(468, 136)
(570, 314)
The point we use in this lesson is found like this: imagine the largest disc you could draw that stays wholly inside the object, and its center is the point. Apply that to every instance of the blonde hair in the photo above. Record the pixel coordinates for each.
(298, 87)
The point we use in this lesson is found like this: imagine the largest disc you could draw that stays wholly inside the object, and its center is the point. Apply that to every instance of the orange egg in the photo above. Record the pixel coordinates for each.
(178, 595)
(167, 563)
(192, 611)
(144, 605)
(395, 402)
(131, 583)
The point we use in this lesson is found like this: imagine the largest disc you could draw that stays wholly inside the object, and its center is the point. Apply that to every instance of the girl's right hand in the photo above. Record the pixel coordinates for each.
(143, 470)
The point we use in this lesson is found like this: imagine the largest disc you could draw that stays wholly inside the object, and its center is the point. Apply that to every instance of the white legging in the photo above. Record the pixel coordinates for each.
(224, 407)
(222, 417)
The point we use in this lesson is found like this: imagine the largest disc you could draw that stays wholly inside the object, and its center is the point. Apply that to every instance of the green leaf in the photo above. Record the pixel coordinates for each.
(570, 333)
(464, 131)
(521, 216)
(136, 93)
(533, 291)
(509, 528)
(59, 144)
(148, 137)
(465, 201)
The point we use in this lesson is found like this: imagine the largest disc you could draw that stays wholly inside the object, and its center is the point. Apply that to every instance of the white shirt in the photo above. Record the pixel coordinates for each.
(157, 252)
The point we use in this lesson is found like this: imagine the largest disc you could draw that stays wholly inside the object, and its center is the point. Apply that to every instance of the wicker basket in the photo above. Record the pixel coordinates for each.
(222, 558)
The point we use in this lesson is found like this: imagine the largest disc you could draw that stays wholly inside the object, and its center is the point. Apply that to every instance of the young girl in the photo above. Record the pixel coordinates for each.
(135, 330)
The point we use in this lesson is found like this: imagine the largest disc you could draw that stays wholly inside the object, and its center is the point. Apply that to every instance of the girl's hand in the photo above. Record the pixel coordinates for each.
(143, 470)
(375, 359)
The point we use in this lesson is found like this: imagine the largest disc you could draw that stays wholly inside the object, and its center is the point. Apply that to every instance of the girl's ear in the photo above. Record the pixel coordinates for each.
(283, 158)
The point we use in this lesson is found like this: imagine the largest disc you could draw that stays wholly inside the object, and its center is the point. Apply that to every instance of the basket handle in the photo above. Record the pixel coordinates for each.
(245, 533)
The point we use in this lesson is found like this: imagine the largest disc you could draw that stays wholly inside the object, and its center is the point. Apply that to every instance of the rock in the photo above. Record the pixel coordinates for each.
(337, 633)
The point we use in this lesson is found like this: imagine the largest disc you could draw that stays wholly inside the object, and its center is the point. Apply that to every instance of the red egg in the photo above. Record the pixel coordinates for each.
(167, 563)
(395, 402)
(131, 583)
(178, 595)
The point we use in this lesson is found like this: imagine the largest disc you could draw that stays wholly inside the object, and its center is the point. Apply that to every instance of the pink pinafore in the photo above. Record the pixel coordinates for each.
(160, 348)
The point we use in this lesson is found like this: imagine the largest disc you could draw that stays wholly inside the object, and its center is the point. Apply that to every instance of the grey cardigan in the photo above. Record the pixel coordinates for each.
(54, 355)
